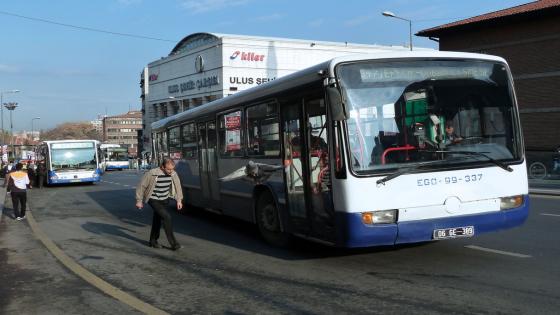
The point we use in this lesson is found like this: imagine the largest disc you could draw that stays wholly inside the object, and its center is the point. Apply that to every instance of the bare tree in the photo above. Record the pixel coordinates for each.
(71, 130)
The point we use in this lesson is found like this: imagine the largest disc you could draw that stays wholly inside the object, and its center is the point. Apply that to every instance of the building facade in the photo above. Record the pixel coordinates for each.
(98, 124)
(204, 67)
(528, 37)
(123, 130)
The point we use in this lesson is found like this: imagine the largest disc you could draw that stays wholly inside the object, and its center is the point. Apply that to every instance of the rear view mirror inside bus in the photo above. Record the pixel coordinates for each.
(337, 108)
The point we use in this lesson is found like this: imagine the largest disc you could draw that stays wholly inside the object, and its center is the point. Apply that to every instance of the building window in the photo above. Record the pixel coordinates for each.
(262, 130)
(189, 141)
(230, 134)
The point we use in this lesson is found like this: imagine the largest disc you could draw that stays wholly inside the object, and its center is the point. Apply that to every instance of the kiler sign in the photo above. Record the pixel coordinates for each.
(246, 56)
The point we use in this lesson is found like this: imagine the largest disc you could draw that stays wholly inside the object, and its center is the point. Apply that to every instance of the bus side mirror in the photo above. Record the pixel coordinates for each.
(336, 105)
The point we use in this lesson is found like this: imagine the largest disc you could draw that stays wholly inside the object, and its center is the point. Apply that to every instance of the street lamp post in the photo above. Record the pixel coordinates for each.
(391, 14)
(33, 129)
(11, 106)
(2, 109)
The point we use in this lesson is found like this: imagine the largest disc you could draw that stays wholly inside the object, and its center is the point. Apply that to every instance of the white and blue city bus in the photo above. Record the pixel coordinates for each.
(70, 161)
(114, 157)
(360, 151)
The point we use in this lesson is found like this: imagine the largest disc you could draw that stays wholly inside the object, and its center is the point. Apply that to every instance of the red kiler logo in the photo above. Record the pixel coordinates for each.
(247, 56)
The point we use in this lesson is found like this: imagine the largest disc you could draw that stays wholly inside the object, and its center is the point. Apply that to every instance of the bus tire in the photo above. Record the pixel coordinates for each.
(268, 221)
(537, 170)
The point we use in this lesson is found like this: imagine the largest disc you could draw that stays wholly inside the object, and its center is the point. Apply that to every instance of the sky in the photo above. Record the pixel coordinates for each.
(67, 72)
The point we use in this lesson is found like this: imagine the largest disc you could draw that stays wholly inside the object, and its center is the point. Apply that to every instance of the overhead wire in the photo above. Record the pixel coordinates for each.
(85, 28)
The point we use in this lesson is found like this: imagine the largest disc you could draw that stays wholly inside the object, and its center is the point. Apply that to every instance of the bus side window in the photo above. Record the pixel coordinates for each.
(189, 141)
(263, 130)
(339, 167)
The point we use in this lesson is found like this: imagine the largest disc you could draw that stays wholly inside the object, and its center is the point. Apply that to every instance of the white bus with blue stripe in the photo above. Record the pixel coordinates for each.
(115, 157)
(70, 161)
(360, 151)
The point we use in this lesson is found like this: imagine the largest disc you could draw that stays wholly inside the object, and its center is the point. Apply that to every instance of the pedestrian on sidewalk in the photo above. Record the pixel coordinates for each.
(31, 174)
(8, 168)
(41, 173)
(156, 188)
(18, 181)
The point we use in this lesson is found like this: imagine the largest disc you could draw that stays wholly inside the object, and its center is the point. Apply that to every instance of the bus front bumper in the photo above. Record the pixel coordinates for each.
(116, 167)
(75, 180)
(351, 232)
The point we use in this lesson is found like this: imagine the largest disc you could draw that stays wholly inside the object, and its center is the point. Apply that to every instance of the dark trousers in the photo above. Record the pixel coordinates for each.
(161, 214)
(40, 180)
(19, 198)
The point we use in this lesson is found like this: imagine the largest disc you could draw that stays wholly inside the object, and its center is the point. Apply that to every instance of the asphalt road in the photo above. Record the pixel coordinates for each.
(224, 267)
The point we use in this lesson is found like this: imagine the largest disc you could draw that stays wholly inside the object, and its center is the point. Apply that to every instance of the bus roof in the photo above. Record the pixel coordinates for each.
(69, 141)
(302, 77)
(115, 149)
(109, 145)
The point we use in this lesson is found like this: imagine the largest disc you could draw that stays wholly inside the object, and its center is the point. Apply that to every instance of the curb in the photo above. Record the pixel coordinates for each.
(88, 276)
(544, 191)
(78, 269)
(2, 200)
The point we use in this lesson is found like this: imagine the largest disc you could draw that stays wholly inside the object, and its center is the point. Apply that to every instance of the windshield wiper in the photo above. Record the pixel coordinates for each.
(406, 170)
(419, 165)
(475, 153)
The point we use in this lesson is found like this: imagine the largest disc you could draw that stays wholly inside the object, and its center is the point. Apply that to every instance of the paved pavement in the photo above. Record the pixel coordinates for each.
(27, 266)
(225, 267)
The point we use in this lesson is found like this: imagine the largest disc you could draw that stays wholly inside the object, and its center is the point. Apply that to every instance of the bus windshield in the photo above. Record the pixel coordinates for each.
(119, 155)
(408, 112)
(73, 155)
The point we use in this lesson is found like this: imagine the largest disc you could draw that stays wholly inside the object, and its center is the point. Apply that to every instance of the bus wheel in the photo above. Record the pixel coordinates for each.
(268, 221)
(537, 170)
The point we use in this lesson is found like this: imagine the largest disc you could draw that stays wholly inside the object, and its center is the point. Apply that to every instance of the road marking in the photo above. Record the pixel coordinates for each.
(87, 275)
(551, 215)
(114, 183)
(495, 251)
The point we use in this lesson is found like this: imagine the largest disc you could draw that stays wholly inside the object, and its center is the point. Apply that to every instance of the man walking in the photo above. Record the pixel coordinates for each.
(18, 190)
(156, 188)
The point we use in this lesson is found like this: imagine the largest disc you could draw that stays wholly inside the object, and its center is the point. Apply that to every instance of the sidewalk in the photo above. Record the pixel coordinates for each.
(32, 281)
(544, 186)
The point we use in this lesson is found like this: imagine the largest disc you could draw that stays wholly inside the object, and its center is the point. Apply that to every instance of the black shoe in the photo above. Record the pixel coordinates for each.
(175, 247)
(155, 245)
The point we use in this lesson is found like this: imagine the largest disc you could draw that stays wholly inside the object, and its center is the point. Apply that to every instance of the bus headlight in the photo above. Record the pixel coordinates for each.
(511, 202)
(54, 177)
(379, 217)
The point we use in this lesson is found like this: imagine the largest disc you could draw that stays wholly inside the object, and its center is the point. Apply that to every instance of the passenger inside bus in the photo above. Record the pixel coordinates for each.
(450, 136)
(322, 186)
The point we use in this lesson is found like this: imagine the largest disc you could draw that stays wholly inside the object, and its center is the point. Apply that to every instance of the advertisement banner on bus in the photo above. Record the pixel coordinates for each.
(233, 131)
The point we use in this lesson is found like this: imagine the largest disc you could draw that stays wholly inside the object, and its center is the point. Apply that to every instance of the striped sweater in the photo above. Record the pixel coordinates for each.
(162, 188)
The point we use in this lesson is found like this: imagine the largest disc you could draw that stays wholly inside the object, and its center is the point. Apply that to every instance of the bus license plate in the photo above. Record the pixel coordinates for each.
(463, 231)
(75, 180)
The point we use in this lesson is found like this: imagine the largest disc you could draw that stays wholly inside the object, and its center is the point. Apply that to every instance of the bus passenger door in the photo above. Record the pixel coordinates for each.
(306, 161)
(319, 174)
(295, 165)
(208, 169)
